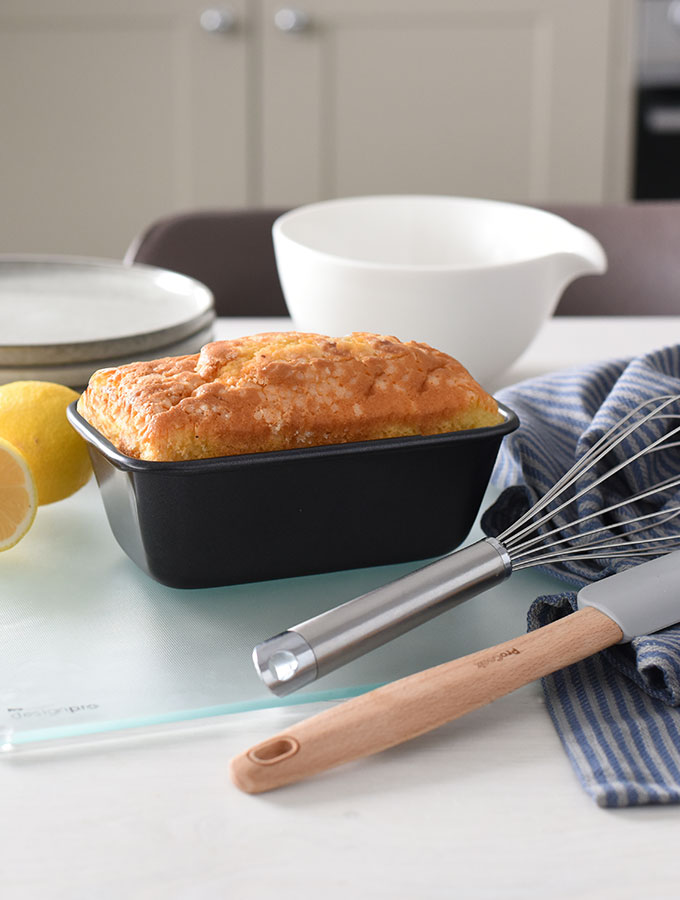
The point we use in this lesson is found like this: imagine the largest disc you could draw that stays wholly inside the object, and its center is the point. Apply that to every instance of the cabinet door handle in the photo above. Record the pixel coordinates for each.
(673, 13)
(663, 120)
(217, 20)
(291, 21)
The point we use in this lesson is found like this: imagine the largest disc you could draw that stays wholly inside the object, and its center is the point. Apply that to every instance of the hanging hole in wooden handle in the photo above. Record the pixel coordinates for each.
(274, 751)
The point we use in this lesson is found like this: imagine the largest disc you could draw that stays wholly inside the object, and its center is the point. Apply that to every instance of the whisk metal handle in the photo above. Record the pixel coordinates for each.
(328, 641)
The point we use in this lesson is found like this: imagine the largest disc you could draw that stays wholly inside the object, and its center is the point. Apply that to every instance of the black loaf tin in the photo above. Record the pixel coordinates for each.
(234, 519)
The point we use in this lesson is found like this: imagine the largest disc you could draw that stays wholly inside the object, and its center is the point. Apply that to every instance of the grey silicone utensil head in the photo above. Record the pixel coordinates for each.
(641, 600)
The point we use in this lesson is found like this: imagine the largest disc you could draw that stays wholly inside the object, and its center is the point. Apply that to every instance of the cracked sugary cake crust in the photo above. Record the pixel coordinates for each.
(276, 391)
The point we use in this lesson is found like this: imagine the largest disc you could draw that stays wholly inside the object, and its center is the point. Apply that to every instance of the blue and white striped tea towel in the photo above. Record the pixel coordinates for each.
(617, 713)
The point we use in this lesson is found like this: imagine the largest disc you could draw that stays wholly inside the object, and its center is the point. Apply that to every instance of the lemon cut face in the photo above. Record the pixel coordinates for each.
(18, 496)
(33, 419)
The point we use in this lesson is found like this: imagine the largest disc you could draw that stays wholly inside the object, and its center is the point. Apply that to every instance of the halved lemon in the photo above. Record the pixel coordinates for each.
(18, 496)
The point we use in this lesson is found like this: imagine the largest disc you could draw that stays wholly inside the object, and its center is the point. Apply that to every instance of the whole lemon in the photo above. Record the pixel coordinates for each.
(33, 419)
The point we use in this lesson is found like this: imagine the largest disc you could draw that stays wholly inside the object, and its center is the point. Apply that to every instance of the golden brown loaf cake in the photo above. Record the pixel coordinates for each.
(282, 390)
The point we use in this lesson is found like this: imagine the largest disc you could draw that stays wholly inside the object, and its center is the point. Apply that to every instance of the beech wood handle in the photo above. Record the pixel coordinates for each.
(418, 703)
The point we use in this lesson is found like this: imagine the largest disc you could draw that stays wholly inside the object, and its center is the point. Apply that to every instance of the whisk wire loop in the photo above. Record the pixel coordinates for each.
(543, 535)
(665, 516)
(585, 463)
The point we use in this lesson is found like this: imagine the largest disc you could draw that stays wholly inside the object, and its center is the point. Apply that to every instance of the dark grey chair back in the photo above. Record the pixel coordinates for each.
(642, 243)
(230, 251)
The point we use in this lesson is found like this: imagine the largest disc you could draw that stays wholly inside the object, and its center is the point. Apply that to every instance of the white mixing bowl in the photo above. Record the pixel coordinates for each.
(475, 278)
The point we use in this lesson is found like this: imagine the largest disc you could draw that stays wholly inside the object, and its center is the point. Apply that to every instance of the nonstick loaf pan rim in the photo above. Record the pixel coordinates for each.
(122, 461)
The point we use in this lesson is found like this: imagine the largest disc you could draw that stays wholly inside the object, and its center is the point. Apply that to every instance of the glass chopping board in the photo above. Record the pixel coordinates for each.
(90, 645)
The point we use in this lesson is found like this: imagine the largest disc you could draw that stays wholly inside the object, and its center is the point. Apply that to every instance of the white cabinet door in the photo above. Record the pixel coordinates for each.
(115, 112)
(496, 98)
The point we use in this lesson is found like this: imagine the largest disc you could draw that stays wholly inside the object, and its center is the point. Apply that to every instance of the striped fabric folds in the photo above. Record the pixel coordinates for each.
(617, 713)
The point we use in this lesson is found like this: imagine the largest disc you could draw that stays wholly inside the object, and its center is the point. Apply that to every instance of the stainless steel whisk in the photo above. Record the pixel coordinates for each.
(544, 535)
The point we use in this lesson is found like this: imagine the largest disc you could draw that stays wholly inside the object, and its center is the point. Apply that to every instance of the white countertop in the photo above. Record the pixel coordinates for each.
(485, 807)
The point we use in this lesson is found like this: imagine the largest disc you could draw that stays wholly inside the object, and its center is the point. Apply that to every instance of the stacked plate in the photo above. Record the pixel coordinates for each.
(62, 318)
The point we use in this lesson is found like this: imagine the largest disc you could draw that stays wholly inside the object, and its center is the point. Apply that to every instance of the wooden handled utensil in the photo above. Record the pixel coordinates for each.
(641, 600)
